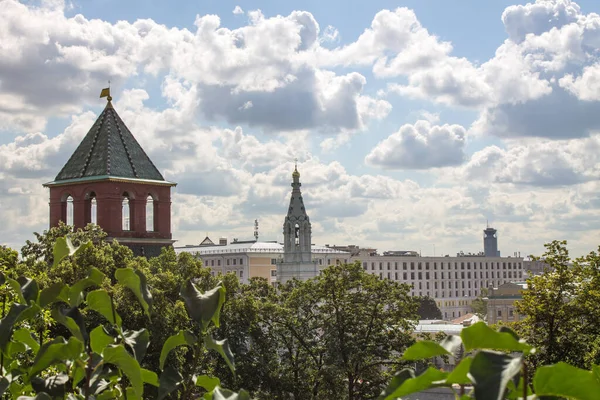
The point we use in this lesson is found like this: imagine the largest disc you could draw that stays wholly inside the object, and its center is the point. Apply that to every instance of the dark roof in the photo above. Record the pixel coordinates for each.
(109, 149)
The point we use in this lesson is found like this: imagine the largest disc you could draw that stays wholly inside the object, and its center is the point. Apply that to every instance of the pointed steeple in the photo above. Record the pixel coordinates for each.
(297, 235)
(109, 150)
(296, 227)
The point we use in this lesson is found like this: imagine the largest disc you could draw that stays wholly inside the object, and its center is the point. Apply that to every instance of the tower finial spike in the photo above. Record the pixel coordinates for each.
(296, 174)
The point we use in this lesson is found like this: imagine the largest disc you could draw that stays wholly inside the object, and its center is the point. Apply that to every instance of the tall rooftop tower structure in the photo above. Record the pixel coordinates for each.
(490, 242)
(109, 180)
(297, 255)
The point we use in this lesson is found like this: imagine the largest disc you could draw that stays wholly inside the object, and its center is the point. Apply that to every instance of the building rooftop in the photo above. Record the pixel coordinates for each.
(109, 150)
(250, 247)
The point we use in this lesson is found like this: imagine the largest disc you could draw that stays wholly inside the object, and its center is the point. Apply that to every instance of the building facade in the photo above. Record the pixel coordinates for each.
(249, 259)
(110, 181)
(501, 302)
(453, 282)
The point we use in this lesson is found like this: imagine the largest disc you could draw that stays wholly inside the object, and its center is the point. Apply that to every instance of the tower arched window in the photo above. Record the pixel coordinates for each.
(126, 213)
(91, 211)
(69, 211)
(297, 234)
(150, 214)
(94, 211)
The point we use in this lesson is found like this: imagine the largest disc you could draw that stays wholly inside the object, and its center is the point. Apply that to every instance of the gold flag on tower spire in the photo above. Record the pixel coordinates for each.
(105, 92)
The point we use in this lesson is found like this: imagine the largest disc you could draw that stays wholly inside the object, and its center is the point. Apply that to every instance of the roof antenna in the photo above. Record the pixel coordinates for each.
(256, 230)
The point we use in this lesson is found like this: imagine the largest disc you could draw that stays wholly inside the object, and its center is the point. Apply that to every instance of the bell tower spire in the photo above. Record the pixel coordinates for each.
(297, 232)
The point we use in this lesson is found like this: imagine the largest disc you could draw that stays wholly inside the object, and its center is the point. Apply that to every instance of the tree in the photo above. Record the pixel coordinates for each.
(102, 360)
(338, 336)
(479, 305)
(561, 309)
(164, 274)
(428, 308)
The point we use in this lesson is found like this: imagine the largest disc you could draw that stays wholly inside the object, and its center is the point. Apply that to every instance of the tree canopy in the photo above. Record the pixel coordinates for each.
(562, 317)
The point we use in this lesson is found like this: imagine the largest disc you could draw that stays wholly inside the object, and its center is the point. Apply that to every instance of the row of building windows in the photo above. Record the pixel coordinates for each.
(228, 261)
(239, 273)
(419, 275)
(480, 265)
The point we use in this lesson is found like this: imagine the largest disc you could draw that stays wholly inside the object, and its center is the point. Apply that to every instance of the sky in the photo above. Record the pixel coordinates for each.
(415, 123)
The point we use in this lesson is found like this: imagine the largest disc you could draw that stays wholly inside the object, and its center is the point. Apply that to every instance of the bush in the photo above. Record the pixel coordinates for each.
(101, 361)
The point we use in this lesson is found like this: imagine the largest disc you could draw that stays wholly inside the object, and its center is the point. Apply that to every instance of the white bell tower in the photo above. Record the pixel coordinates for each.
(297, 255)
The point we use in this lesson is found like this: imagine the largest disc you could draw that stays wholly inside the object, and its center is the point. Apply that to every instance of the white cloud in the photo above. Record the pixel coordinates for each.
(420, 146)
(539, 17)
(299, 91)
(536, 163)
(238, 10)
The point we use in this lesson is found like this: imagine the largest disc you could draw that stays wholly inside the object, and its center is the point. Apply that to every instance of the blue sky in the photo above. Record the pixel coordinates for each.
(414, 122)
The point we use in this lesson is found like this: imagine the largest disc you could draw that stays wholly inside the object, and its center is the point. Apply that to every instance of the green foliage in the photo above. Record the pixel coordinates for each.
(337, 336)
(428, 308)
(489, 374)
(479, 305)
(562, 317)
(107, 362)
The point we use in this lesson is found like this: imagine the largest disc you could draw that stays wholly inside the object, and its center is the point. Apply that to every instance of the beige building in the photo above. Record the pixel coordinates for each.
(248, 259)
(501, 302)
(454, 282)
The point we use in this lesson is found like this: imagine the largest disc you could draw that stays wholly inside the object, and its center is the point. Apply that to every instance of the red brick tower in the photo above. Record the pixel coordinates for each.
(109, 180)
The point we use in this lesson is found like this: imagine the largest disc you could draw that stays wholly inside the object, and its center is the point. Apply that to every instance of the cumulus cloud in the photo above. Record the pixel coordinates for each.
(420, 146)
(537, 163)
(298, 91)
(238, 10)
(539, 17)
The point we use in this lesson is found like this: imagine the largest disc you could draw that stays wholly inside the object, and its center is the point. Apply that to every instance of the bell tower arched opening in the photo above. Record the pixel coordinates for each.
(125, 213)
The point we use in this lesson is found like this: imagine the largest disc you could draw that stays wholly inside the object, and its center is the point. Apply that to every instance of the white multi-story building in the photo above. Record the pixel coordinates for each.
(454, 282)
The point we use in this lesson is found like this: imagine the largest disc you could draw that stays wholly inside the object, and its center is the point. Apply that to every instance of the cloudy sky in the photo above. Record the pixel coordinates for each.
(413, 122)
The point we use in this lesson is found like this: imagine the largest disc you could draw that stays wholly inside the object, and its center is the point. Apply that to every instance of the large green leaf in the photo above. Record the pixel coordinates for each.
(460, 373)
(99, 339)
(221, 347)
(136, 282)
(118, 356)
(71, 318)
(25, 336)
(100, 301)
(29, 289)
(95, 278)
(64, 247)
(16, 288)
(203, 307)
(170, 380)
(55, 385)
(427, 349)
(150, 377)
(53, 293)
(491, 372)
(207, 382)
(138, 341)
(562, 379)
(29, 313)
(54, 352)
(405, 382)
(180, 339)
(3, 385)
(7, 323)
(481, 336)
